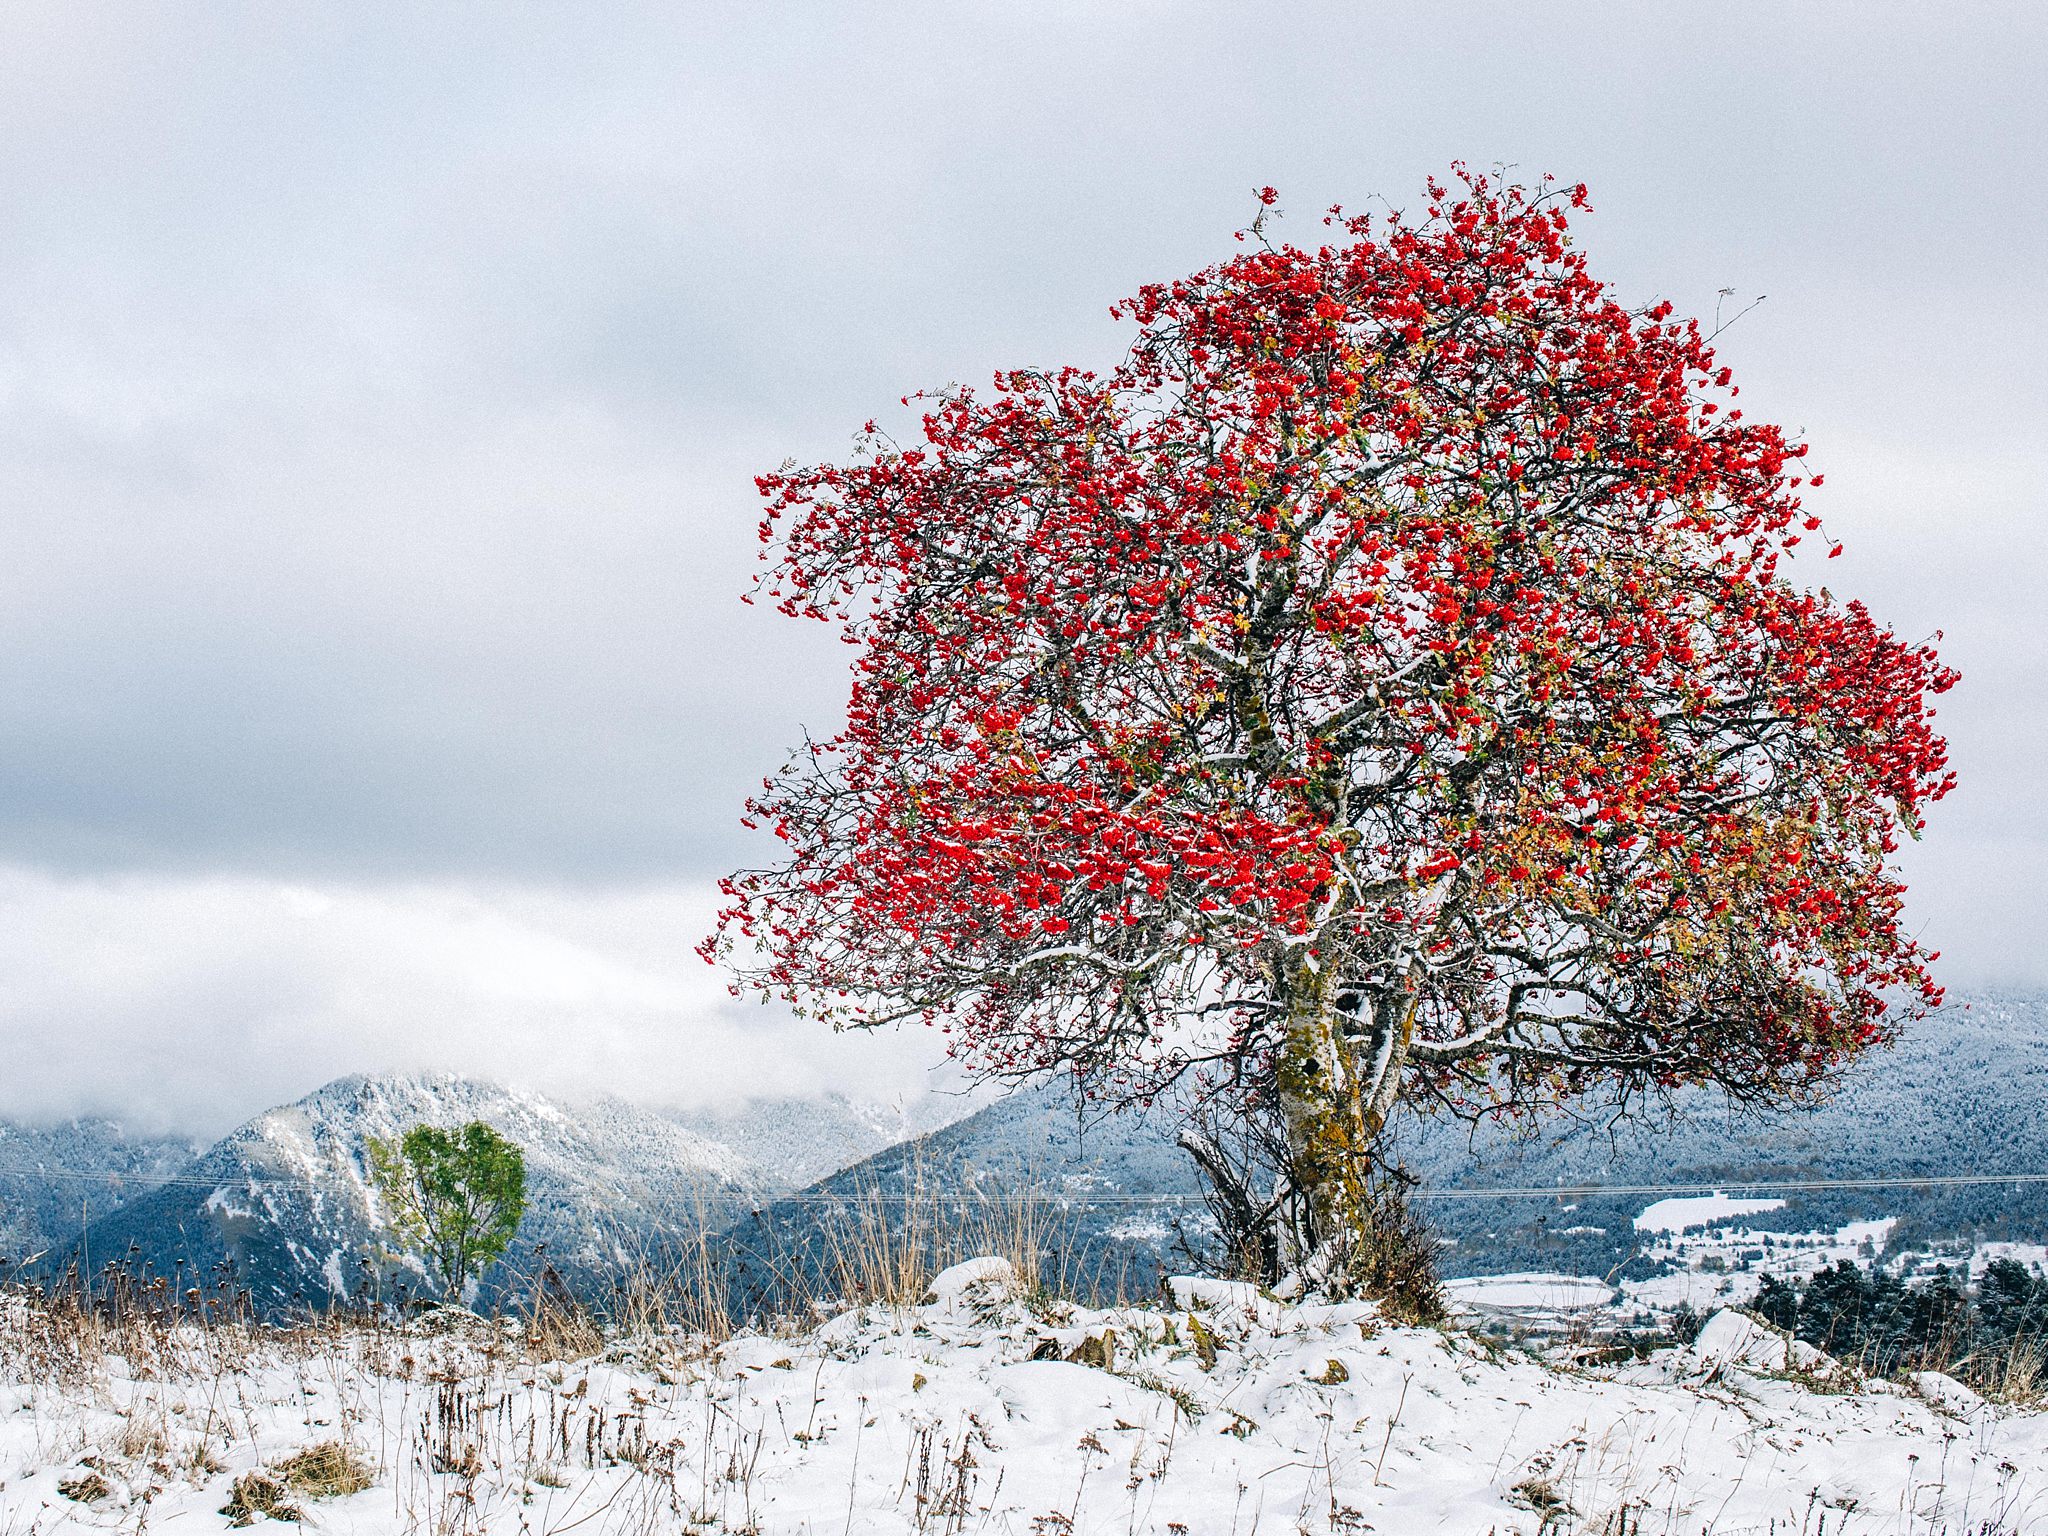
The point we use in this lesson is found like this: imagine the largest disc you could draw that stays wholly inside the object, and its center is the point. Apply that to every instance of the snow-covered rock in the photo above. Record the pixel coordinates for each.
(1731, 1338)
(972, 1283)
(1735, 1338)
(1941, 1391)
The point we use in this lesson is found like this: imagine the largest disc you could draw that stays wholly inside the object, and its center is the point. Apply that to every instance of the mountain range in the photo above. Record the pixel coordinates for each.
(56, 1179)
(1964, 1092)
(796, 1195)
(283, 1204)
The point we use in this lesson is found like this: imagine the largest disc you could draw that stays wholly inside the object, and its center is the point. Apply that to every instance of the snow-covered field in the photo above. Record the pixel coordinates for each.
(1699, 1210)
(1545, 1293)
(1705, 1259)
(985, 1410)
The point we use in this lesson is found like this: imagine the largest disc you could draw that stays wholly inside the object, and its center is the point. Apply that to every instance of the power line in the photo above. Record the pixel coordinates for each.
(149, 1180)
(1724, 1187)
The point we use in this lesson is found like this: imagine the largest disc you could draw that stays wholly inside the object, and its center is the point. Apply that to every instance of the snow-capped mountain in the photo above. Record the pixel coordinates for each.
(616, 1189)
(287, 1202)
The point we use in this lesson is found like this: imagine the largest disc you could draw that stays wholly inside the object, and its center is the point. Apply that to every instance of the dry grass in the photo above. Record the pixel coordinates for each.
(89, 1488)
(1393, 1260)
(260, 1496)
(327, 1470)
(877, 1246)
(558, 1326)
(889, 1248)
(2017, 1375)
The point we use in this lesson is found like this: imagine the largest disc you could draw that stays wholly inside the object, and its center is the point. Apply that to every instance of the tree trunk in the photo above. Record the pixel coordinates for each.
(1337, 1086)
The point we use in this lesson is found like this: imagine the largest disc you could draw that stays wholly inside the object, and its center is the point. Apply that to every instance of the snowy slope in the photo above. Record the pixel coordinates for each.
(790, 1142)
(56, 1178)
(286, 1201)
(1221, 1412)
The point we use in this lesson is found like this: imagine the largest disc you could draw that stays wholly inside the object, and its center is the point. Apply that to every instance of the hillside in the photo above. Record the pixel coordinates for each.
(285, 1201)
(56, 1179)
(1964, 1091)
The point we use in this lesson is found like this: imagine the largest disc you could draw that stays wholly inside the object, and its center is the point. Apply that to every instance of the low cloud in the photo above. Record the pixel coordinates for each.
(188, 1005)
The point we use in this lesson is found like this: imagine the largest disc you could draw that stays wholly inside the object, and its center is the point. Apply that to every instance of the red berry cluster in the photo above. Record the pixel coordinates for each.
(1405, 606)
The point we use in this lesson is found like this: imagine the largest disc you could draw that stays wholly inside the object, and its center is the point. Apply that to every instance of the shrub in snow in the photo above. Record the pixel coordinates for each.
(974, 1283)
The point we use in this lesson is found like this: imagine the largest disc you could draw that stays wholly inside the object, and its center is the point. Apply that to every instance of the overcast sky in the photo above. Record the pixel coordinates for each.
(380, 393)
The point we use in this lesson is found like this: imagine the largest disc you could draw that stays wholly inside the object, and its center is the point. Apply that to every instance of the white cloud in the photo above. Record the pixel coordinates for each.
(193, 1003)
(380, 389)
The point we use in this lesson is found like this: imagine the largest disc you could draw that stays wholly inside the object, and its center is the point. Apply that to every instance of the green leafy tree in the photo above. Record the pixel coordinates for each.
(455, 1196)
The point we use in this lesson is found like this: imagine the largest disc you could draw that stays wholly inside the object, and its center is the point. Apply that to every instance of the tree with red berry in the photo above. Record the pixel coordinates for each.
(1386, 684)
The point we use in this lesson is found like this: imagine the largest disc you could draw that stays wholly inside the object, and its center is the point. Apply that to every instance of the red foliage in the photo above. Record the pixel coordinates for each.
(1406, 608)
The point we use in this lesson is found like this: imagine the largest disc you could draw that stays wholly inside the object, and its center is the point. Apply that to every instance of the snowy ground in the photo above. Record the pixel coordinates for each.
(1707, 1260)
(987, 1411)
(1699, 1210)
(1724, 1265)
(2033, 1255)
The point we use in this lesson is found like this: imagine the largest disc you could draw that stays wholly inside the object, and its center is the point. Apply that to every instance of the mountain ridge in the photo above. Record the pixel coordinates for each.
(54, 1176)
(285, 1205)
(285, 1202)
(1966, 1088)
